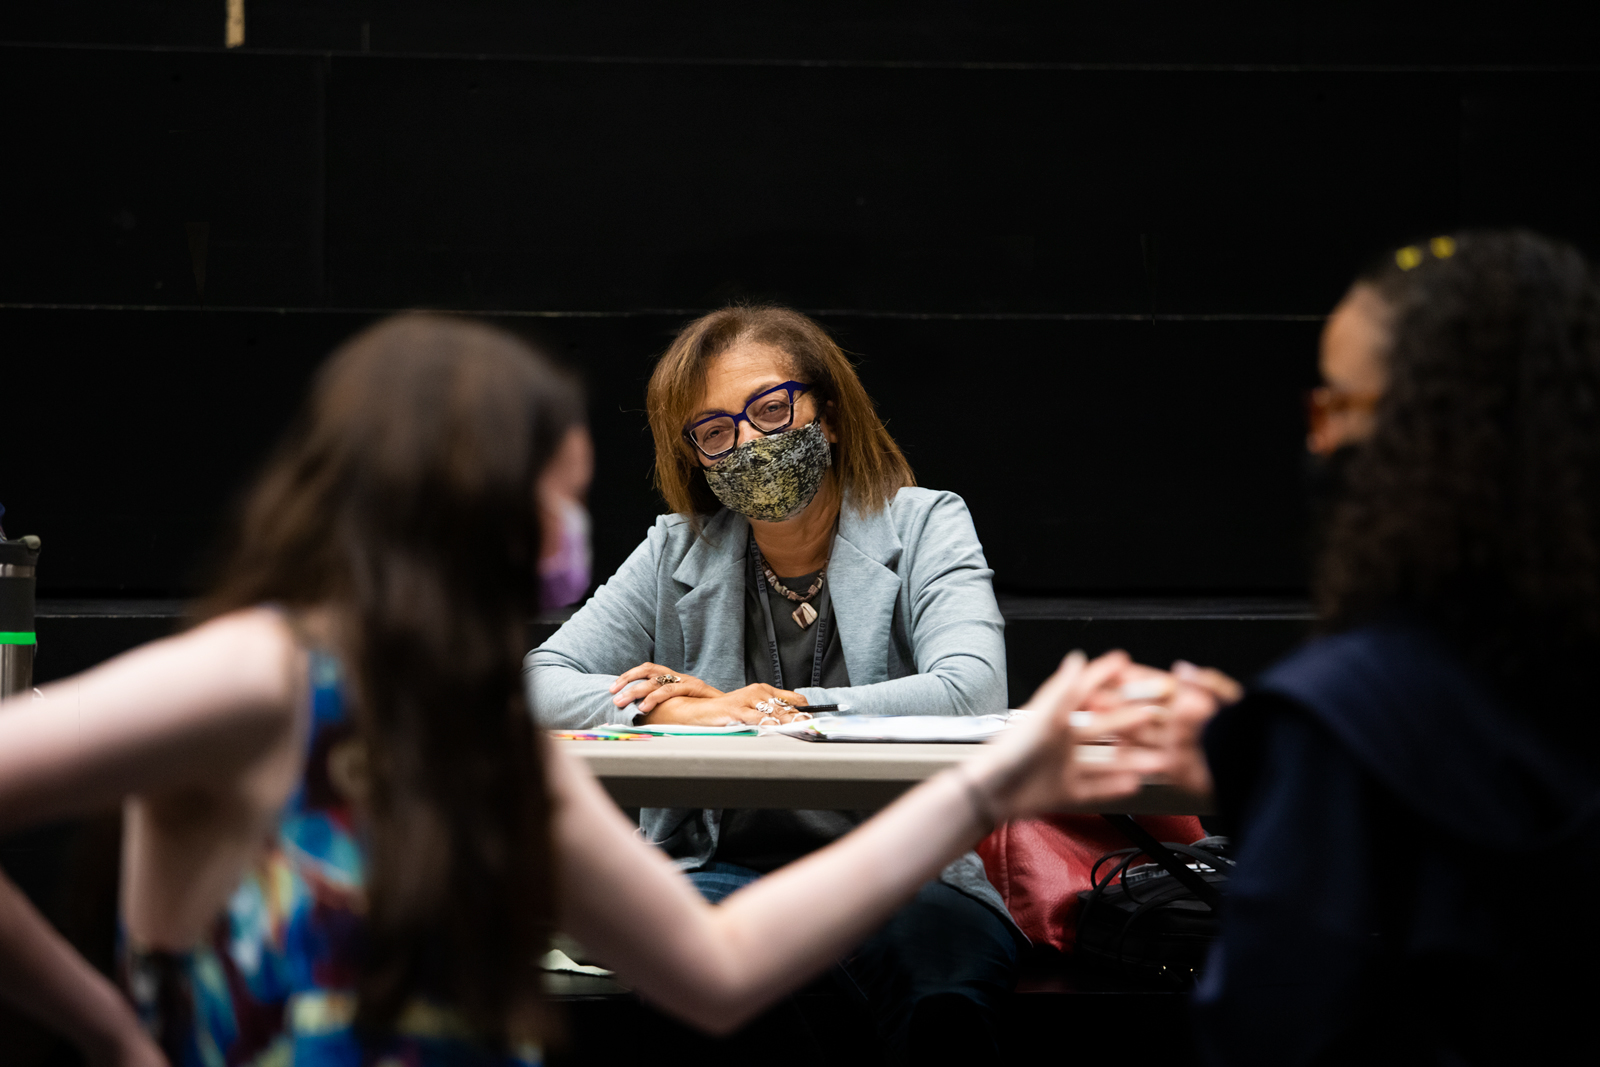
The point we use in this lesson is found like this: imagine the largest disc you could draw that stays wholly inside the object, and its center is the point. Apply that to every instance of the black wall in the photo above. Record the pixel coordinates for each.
(1082, 258)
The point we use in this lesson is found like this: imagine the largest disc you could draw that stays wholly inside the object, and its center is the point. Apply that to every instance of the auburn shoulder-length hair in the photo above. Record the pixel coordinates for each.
(870, 466)
(402, 499)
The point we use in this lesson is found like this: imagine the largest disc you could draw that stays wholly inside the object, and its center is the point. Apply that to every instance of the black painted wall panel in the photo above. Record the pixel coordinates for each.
(492, 183)
(1529, 154)
(160, 178)
(1152, 31)
(1087, 299)
(1106, 456)
(182, 178)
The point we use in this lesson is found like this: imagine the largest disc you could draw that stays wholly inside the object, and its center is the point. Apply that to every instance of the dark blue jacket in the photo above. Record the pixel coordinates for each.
(1416, 866)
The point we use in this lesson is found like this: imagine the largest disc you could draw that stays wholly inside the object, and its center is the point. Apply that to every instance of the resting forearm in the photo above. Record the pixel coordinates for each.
(946, 692)
(564, 698)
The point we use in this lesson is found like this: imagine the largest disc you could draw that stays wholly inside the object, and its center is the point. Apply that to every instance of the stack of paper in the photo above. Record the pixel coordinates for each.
(921, 729)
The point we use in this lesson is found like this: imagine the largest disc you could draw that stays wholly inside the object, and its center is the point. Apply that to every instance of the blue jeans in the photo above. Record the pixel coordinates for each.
(932, 978)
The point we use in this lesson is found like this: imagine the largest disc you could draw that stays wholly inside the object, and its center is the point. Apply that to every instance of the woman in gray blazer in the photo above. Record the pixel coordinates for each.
(800, 566)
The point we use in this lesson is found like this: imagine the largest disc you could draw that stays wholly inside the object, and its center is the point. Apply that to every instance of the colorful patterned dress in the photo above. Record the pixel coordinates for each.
(275, 985)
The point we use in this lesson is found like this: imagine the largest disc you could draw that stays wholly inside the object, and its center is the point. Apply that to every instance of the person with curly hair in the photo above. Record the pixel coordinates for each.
(1393, 785)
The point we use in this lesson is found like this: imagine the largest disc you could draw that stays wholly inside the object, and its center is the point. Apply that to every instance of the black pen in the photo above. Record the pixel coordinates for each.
(823, 709)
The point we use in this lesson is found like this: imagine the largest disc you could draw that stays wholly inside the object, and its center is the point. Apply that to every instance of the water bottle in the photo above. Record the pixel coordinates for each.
(17, 639)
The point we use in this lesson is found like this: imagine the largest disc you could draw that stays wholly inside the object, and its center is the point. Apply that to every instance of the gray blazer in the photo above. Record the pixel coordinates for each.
(912, 596)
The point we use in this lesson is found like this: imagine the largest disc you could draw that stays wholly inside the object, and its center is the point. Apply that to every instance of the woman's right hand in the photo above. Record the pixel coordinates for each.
(719, 710)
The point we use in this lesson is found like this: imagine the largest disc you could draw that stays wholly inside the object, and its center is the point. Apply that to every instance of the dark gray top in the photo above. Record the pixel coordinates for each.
(797, 649)
(760, 838)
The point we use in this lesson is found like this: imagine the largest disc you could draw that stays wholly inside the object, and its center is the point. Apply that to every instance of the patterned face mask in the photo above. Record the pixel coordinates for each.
(773, 478)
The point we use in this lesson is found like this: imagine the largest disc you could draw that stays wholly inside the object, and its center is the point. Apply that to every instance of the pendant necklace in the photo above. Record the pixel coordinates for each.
(805, 614)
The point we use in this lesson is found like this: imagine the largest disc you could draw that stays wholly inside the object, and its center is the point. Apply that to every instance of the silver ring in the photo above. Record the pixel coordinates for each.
(782, 703)
(800, 716)
(666, 679)
(770, 719)
(764, 707)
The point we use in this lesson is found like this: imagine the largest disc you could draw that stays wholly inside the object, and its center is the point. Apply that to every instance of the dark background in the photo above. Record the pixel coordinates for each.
(1081, 252)
(1081, 255)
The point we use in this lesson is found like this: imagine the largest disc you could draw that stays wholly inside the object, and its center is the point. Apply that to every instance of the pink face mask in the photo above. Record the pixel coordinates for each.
(564, 576)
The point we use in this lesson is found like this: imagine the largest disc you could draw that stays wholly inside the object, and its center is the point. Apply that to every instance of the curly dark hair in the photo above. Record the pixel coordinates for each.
(1475, 505)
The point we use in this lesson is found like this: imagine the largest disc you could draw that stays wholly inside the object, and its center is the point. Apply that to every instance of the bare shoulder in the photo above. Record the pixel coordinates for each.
(258, 630)
(255, 647)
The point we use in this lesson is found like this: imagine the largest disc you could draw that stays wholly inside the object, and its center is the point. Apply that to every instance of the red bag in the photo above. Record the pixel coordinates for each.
(1041, 865)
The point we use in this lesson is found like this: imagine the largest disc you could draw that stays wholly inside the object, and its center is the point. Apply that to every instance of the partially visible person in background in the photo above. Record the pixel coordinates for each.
(1416, 794)
(566, 556)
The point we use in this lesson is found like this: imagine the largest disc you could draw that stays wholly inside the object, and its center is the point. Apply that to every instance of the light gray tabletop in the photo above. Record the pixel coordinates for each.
(784, 772)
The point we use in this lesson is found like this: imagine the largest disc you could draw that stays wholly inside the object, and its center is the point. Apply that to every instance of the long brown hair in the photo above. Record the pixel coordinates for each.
(870, 466)
(403, 499)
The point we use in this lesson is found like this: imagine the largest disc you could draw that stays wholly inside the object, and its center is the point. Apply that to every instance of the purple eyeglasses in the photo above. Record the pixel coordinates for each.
(769, 411)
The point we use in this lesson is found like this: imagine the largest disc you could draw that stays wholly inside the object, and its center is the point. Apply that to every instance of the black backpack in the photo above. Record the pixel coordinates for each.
(1158, 921)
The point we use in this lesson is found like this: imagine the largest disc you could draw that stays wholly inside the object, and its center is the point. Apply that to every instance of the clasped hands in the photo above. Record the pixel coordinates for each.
(1096, 732)
(1179, 703)
(668, 696)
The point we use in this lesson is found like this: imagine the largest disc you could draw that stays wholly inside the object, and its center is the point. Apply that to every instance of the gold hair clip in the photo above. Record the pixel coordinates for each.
(1411, 256)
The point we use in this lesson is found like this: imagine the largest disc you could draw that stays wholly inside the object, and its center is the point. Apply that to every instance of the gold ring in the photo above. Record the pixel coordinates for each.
(666, 679)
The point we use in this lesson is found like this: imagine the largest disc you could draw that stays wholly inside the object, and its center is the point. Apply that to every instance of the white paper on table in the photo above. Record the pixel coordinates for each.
(556, 960)
(678, 730)
(916, 729)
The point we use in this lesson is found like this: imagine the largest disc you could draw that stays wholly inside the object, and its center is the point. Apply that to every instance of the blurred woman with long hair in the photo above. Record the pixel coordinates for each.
(344, 837)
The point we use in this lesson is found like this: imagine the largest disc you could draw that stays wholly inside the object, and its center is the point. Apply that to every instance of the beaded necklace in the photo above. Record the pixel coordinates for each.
(805, 614)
